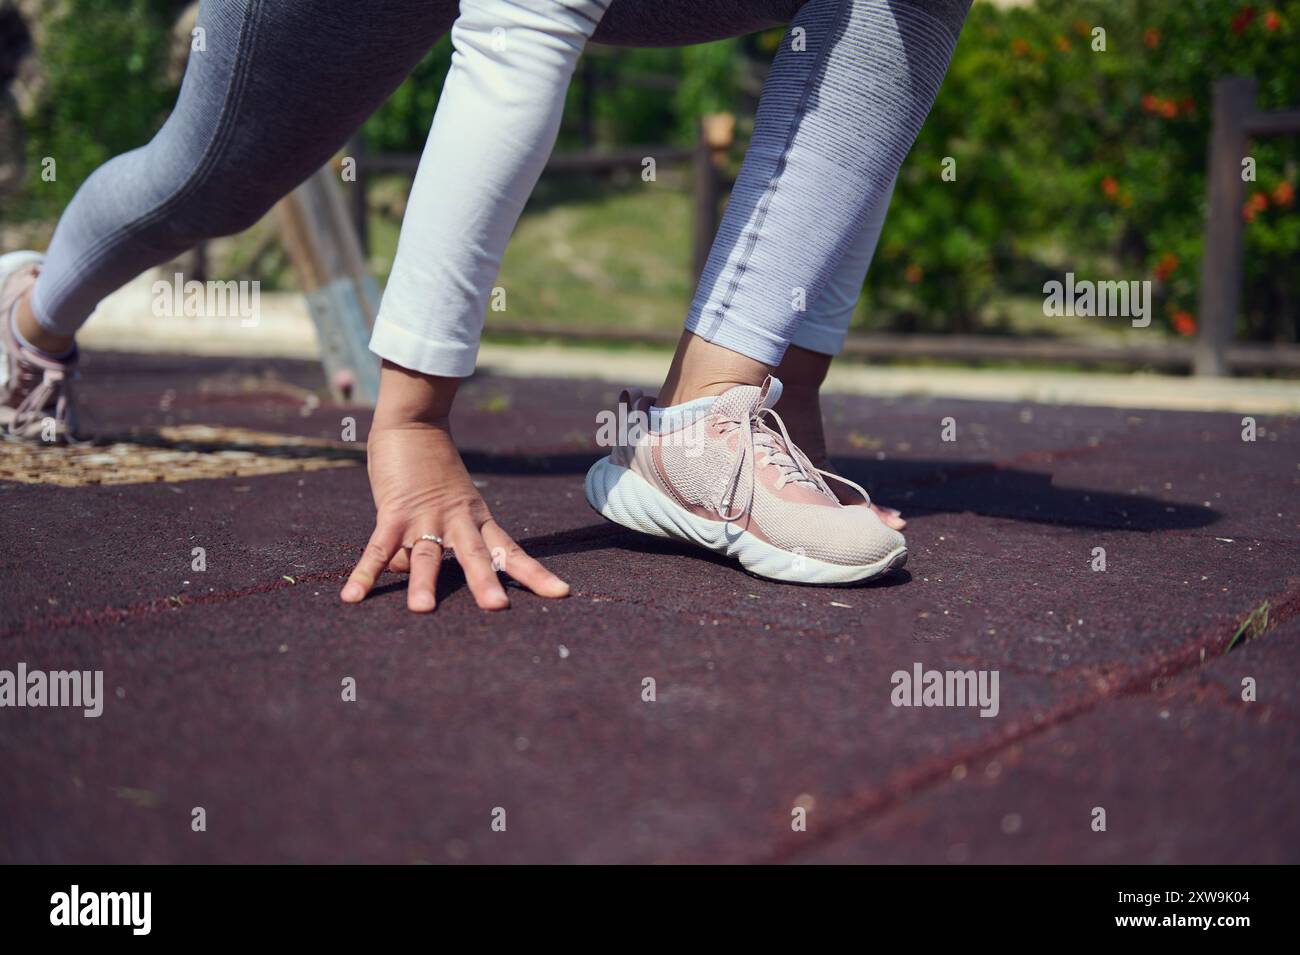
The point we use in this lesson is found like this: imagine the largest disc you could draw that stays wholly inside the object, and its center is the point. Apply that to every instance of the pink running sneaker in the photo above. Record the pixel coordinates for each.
(730, 481)
(35, 391)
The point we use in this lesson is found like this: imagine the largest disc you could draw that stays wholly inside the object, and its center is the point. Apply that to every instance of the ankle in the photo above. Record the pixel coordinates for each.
(680, 392)
(36, 334)
(802, 371)
(701, 369)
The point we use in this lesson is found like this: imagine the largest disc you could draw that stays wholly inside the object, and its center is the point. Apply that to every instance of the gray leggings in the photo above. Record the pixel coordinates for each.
(282, 84)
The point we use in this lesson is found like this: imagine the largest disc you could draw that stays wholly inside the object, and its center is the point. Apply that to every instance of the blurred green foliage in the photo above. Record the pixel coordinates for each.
(1066, 157)
(401, 124)
(636, 95)
(1070, 158)
(106, 91)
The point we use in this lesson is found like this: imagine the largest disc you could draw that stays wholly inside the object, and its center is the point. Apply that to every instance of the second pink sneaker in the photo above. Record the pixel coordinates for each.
(35, 390)
(731, 480)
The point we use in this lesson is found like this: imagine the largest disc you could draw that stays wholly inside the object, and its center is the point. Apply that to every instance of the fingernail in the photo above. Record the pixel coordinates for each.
(353, 591)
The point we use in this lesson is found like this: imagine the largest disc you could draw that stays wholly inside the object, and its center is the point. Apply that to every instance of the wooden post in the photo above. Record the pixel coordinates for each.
(717, 133)
(342, 296)
(1221, 268)
(357, 204)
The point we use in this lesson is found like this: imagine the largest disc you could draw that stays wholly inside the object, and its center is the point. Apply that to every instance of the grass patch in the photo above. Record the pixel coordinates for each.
(1253, 626)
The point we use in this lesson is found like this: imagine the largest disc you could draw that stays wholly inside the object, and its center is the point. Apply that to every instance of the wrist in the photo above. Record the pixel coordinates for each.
(410, 398)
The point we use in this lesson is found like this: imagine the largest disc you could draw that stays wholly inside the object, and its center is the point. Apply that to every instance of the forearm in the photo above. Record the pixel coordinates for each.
(495, 126)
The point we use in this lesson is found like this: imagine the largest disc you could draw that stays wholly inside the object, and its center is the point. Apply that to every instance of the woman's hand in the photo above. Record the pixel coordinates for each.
(420, 486)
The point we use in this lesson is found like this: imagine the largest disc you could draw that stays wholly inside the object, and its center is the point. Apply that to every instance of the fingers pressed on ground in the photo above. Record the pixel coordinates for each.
(509, 556)
(421, 592)
(381, 547)
(467, 542)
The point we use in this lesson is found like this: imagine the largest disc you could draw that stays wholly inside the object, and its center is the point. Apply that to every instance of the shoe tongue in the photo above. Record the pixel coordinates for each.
(748, 399)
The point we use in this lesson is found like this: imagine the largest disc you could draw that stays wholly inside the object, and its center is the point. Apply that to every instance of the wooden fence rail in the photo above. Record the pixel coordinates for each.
(708, 157)
(892, 346)
(325, 231)
(331, 264)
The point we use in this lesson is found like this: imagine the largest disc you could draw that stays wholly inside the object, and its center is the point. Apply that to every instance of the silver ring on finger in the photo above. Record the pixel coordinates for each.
(432, 537)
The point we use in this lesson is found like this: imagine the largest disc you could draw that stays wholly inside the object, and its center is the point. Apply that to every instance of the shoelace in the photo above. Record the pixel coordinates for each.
(793, 463)
(54, 387)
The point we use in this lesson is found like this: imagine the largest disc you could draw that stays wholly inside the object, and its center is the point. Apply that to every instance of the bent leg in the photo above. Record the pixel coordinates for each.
(493, 132)
(843, 103)
(277, 90)
(826, 323)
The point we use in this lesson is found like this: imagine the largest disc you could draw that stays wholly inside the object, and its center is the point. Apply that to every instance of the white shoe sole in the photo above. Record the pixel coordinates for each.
(624, 497)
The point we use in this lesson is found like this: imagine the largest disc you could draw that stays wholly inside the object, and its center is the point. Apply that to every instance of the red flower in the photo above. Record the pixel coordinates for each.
(1188, 105)
(1110, 187)
(1184, 323)
(1242, 20)
(1062, 44)
(1257, 203)
(1284, 194)
(1165, 267)
(1020, 47)
(1150, 102)
(1168, 108)
(1151, 38)
(913, 273)
(1272, 20)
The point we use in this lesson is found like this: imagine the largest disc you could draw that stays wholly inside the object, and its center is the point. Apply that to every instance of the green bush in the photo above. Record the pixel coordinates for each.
(1096, 156)
(107, 90)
